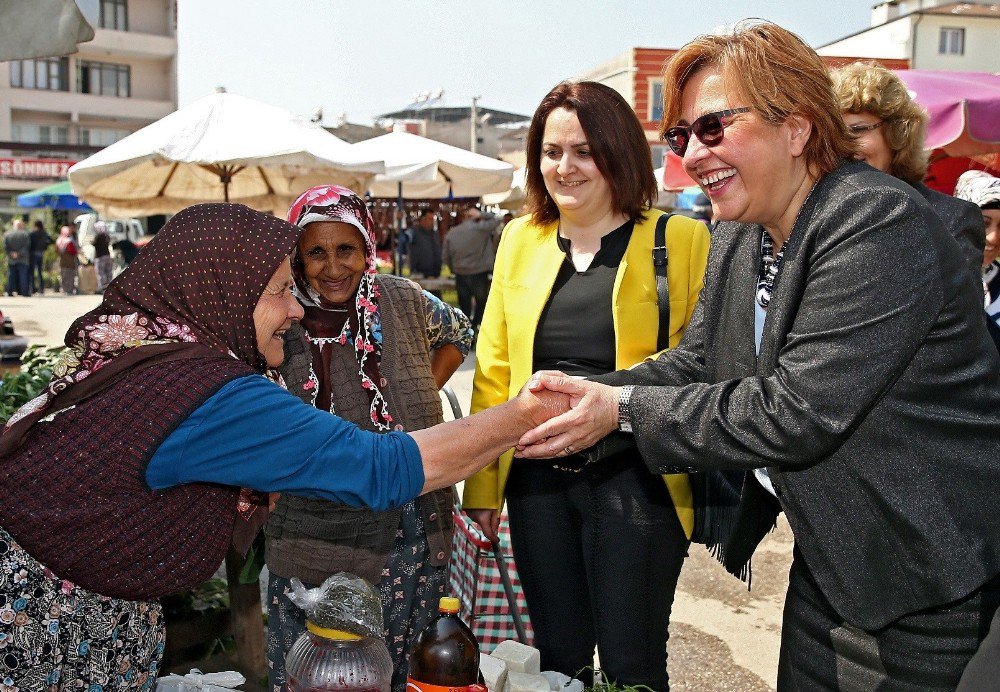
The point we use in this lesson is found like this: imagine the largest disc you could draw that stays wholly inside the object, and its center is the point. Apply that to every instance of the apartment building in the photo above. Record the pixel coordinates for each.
(929, 35)
(56, 111)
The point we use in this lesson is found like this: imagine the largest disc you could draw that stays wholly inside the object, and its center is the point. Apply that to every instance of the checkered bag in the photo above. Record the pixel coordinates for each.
(476, 582)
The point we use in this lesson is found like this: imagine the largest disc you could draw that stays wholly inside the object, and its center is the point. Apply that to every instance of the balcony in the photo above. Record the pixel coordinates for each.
(86, 105)
(128, 44)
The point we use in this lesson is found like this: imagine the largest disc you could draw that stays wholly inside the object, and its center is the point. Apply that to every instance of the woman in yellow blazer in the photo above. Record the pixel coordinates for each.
(599, 546)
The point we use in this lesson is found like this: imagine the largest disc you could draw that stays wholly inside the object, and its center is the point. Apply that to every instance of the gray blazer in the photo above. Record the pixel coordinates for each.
(874, 404)
(964, 220)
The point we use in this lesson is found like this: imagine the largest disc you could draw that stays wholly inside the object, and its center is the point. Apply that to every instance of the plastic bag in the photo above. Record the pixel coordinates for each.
(196, 680)
(343, 602)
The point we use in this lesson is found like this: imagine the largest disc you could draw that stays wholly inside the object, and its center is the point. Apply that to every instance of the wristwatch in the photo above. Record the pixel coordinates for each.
(625, 409)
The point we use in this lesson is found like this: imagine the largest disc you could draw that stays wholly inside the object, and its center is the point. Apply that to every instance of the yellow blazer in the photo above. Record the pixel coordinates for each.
(527, 263)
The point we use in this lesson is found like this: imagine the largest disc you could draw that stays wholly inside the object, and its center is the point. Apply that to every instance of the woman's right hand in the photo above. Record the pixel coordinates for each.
(488, 520)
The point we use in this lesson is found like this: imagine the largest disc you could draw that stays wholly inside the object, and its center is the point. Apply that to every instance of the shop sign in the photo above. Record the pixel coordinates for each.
(34, 168)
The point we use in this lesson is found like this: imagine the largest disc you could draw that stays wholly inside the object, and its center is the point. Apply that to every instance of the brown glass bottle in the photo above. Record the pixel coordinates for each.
(446, 653)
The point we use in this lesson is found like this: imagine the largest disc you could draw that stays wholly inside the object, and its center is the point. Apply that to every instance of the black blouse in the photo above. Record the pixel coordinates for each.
(576, 332)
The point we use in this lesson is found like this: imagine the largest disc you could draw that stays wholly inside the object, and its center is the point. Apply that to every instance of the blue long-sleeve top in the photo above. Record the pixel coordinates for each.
(253, 434)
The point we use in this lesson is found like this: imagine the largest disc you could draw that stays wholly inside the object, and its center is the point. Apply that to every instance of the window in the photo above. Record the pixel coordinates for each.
(39, 134)
(655, 100)
(91, 10)
(46, 73)
(658, 152)
(104, 78)
(100, 136)
(114, 15)
(951, 41)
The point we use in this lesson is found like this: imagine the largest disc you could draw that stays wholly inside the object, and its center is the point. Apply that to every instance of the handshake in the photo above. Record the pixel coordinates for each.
(565, 415)
(583, 414)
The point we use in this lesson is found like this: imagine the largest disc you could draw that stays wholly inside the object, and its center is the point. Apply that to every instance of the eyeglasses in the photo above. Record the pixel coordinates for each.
(708, 129)
(860, 128)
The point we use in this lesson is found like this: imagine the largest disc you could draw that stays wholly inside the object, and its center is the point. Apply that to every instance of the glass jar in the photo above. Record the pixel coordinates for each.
(324, 659)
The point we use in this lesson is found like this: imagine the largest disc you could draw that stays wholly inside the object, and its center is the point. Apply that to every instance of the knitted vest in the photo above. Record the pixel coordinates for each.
(82, 506)
(310, 538)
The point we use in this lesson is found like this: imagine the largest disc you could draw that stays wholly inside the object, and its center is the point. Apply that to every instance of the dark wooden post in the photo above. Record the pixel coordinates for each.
(247, 620)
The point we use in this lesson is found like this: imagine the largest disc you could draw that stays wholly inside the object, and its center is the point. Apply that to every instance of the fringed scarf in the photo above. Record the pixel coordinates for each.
(330, 325)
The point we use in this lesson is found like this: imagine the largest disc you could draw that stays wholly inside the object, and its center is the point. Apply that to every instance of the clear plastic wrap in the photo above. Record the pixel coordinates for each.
(343, 602)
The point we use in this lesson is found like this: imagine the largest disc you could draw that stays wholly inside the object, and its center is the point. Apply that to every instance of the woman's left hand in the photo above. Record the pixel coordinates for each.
(593, 414)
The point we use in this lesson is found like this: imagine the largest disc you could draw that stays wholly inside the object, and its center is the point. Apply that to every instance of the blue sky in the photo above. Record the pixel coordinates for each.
(366, 58)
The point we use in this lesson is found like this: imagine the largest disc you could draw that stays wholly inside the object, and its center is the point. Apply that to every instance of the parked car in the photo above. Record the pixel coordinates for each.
(11, 345)
(119, 229)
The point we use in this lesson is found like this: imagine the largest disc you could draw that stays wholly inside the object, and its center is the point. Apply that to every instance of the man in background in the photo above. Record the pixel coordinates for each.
(470, 249)
(17, 245)
(102, 256)
(36, 263)
(425, 247)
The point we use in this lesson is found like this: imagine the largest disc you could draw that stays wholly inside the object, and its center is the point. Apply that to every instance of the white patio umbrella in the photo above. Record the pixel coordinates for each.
(420, 168)
(41, 28)
(223, 147)
(513, 198)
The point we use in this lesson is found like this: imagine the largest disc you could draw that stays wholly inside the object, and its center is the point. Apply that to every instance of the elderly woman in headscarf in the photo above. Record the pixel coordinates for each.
(122, 482)
(374, 349)
(983, 190)
(889, 128)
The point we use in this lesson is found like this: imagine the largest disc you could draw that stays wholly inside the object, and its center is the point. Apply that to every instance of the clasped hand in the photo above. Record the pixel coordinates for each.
(593, 414)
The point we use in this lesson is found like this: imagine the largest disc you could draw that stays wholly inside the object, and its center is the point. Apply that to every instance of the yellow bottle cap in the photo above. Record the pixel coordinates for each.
(448, 604)
(328, 633)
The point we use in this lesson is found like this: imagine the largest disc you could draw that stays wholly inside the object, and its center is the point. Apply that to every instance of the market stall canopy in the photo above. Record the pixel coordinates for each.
(41, 28)
(432, 170)
(964, 109)
(223, 147)
(514, 198)
(58, 196)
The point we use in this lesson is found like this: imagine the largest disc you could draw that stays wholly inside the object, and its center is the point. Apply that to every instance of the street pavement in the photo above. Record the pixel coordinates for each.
(723, 637)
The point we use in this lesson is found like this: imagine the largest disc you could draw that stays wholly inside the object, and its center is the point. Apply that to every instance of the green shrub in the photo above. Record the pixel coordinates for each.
(18, 388)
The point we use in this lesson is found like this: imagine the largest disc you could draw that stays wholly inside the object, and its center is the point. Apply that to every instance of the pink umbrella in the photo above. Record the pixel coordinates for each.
(964, 109)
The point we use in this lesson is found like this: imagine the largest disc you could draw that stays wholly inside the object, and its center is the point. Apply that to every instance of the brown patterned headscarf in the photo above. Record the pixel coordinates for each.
(190, 293)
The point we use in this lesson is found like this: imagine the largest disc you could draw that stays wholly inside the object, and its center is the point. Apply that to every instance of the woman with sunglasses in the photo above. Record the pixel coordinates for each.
(861, 400)
(889, 127)
(598, 547)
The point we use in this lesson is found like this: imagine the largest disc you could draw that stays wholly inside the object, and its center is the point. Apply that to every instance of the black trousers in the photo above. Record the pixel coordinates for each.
(473, 288)
(927, 650)
(36, 263)
(599, 553)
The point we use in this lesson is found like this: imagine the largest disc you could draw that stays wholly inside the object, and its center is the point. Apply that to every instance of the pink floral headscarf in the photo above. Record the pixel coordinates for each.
(325, 322)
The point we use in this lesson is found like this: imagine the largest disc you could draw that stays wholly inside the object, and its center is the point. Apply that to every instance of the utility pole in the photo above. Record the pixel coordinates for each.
(472, 128)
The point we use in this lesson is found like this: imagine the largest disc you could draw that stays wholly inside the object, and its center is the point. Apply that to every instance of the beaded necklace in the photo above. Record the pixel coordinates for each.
(771, 263)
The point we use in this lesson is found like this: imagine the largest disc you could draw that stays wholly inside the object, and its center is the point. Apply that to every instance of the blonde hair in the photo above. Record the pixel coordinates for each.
(778, 75)
(863, 87)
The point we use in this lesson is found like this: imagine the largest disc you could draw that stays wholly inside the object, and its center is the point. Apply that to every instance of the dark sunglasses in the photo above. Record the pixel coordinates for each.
(708, 129)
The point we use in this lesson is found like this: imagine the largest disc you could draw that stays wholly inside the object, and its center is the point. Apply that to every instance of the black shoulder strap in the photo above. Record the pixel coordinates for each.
(662, 289)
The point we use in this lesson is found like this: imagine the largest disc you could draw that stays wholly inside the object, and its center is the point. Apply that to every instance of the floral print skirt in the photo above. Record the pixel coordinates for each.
(57, 636)
(411, 588)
